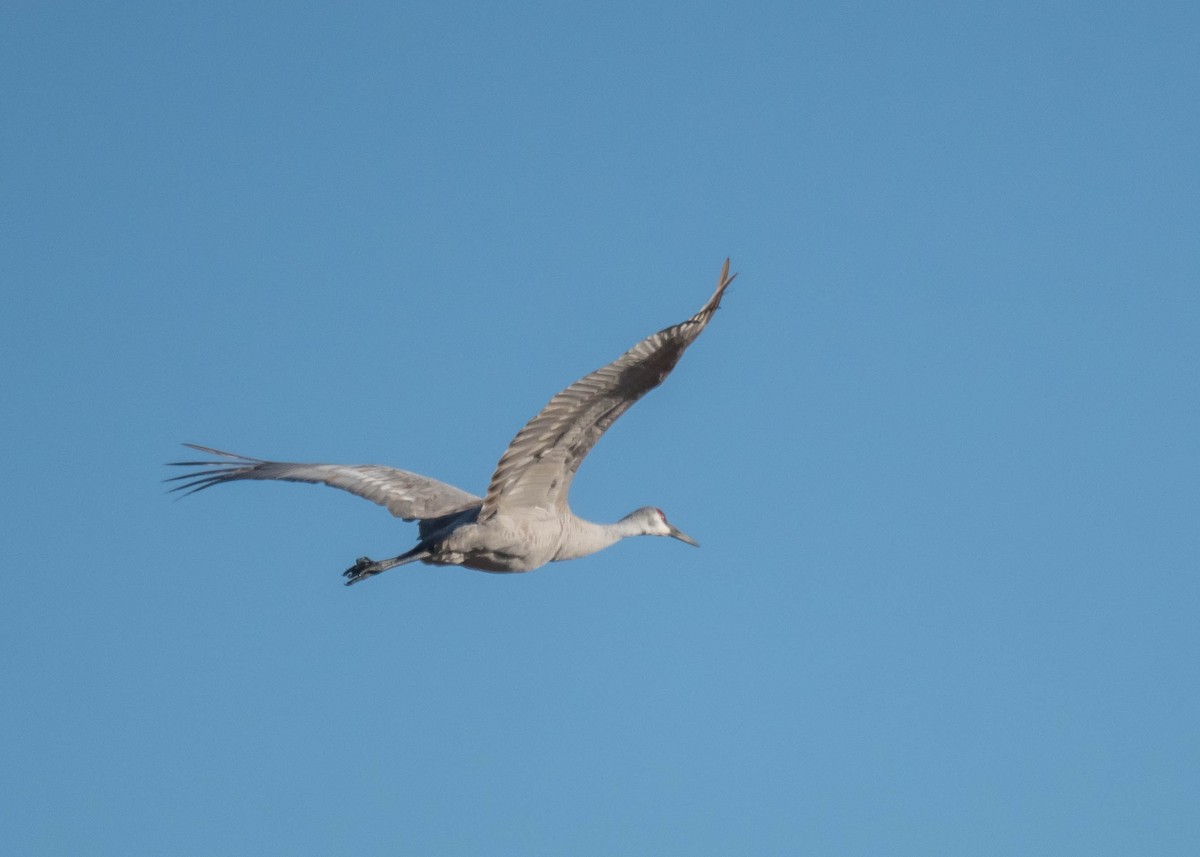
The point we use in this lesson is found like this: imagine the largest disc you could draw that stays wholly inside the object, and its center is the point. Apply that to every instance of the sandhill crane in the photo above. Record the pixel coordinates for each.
(523, 521)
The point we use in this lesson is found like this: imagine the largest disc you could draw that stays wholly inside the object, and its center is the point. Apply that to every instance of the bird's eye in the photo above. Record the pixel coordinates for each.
(662, 515)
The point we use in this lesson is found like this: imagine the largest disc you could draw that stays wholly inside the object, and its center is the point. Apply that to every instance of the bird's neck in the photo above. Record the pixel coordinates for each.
(581, 538)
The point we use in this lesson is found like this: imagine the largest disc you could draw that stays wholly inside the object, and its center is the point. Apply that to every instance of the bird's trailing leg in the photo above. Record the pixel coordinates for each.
(366, 567)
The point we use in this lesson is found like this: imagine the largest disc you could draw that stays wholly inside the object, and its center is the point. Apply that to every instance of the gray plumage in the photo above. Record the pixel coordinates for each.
(523, 521)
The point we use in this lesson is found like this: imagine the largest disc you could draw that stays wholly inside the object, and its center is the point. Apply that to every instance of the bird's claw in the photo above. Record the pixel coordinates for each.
(363, 567)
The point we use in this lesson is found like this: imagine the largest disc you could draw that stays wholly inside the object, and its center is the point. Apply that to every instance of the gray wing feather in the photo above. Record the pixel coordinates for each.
(409, 496)
(537, 468)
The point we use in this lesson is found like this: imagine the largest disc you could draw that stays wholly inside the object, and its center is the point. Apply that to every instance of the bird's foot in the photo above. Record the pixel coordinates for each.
(363, 568)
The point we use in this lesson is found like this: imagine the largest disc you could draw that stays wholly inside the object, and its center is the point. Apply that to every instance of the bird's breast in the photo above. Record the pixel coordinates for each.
(502, 544)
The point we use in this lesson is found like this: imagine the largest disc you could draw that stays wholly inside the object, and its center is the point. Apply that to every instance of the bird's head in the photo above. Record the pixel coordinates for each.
(651, 521)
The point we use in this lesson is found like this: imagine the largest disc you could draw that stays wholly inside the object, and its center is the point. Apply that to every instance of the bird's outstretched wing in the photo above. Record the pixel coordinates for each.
(537, 468)
(406, 495)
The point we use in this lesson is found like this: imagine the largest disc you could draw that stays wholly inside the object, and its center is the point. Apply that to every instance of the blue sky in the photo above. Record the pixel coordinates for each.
(940, 446)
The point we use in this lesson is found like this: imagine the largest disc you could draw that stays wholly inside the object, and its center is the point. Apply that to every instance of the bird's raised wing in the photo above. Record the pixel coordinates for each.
(406, 495)
(537, 468)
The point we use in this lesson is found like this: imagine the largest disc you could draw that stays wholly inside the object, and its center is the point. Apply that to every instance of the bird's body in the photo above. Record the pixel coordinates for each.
(523, 521)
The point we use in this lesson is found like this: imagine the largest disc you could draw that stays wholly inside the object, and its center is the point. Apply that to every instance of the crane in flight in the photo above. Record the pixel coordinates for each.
(523, 521)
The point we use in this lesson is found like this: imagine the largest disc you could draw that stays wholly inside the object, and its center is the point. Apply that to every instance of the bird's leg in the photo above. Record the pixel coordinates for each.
(365, 567)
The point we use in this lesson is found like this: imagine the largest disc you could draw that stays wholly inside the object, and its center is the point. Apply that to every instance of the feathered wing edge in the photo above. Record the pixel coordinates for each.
(408, 496)
(540, 462)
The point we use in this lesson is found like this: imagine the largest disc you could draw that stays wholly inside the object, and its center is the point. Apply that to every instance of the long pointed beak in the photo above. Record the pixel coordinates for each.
(683, 537)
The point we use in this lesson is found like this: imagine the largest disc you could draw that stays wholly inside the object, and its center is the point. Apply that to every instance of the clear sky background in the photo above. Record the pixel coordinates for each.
(940, 446)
